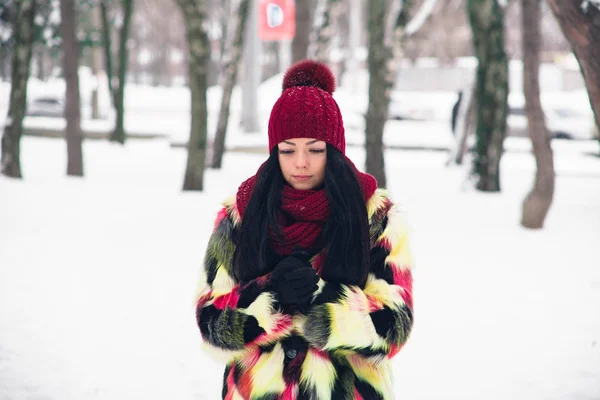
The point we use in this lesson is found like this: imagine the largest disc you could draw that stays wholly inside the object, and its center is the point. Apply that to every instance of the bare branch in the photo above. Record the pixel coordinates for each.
(419, 20)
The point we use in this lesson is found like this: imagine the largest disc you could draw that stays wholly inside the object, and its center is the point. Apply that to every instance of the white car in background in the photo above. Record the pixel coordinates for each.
(563, 120)
(46, 106)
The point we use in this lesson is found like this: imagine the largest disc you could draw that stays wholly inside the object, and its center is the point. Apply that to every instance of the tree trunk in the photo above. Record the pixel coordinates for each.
(582, 30)
(72, 104)
(119, 133)
(23, 38)
(491, 90)
(303, 28)
(538, 201)
(108, 59)
(377, 110)
(327, 12)
(194, 14)
(229, 75)
(96, 63)
(386, 32)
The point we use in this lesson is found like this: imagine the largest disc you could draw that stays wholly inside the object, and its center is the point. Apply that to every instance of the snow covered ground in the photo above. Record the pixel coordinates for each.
(97, 276)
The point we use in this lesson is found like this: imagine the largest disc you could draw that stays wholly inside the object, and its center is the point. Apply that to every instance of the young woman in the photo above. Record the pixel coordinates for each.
(308, 270)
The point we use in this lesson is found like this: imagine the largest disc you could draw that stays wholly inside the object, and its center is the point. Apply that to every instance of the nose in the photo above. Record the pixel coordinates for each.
(301, 160)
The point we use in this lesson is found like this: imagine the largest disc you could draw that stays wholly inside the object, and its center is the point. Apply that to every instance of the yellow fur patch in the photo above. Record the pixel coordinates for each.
(378, 375)
(383, 292)
(376, 201)
(319, 374)
(223, 282)
(267, 374)
(396, 233)
(262, 310)
(352, 312)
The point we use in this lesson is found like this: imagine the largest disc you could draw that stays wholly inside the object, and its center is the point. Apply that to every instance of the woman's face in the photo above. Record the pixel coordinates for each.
(303, 162)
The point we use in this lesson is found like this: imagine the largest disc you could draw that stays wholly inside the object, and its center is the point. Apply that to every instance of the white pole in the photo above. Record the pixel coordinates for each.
(252, 72)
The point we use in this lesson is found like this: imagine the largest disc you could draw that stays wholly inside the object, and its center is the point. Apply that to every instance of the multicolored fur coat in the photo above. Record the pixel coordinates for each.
(339, 349)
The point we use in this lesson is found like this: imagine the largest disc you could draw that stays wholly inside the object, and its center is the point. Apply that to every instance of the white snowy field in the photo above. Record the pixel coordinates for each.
(97, 276)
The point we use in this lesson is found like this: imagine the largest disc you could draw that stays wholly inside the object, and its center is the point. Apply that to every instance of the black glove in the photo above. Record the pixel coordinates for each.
(294, 279)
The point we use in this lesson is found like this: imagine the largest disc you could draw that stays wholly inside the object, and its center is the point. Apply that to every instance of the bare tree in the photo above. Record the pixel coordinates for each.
(194, 14)
(13, 129)
(231, 63)
(538, 201)
(72, 104)
(491, 91)
(580, 23)
(387, 26)
(326, 15)
(301, 40)
(118, 134)
(107, 42)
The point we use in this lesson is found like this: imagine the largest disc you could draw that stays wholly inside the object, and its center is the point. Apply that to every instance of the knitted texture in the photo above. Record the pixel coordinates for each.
(304, 212)
(306, 108)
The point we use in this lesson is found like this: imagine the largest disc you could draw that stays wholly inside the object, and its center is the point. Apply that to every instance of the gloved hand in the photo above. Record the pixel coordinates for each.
(294, 279)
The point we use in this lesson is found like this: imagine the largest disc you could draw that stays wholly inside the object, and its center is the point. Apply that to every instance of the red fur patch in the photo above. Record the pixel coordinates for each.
(290, 392)
(403, 278)
(227, 300)
(230, 385)
(357, 395)
(220, 215)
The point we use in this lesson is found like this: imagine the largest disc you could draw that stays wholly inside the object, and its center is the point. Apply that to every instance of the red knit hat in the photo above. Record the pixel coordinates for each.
(306, 108)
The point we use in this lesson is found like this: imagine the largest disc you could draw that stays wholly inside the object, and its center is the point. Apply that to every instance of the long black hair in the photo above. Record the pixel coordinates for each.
(345, 235)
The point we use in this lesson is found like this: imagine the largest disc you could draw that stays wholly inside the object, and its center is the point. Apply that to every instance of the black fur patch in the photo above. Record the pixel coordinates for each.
(249, 293)
(252, 329)
(331, 293)
(384, 321)
(378, 266)
(225, 387)
(367, 391)
(210, 266)
(344, 384)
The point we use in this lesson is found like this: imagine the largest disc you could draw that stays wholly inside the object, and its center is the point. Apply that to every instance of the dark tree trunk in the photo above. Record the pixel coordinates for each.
(23, 42)
(119, 133)
(538, 201)
(491, 91)
(72, 104)
(5, 54)
(106, 41)
(377, 110)
(194, 14)
(229, 76)
(303, 28)
(582, 30)
(385, 48)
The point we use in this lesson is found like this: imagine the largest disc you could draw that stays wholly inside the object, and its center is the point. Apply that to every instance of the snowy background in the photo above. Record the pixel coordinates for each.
(98, 275)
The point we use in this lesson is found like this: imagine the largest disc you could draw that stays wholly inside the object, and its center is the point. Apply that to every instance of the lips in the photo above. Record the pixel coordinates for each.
(301, 177)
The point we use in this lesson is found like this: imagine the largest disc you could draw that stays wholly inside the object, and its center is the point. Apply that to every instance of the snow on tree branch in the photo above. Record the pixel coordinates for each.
(417, 22)
(586, 3)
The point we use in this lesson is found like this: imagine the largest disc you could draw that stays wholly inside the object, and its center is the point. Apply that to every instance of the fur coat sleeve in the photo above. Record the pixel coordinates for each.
(373, 322)
(233, 316)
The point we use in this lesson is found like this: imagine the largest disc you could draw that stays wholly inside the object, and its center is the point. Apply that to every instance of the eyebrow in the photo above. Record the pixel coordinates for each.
(308, 143)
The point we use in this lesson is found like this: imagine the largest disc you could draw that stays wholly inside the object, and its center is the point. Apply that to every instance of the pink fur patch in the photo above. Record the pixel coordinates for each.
(290, 392)
(227, 300)
(220, 215)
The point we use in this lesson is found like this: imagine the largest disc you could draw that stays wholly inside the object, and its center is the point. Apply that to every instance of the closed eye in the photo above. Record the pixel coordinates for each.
(286, 152)
(318, 151)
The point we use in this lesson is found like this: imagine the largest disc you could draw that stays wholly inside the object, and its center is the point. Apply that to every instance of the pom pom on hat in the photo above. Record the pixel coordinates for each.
(309, 73)
(306, 108)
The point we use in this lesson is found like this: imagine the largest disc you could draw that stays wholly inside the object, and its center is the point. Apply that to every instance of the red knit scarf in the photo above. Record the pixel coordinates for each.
(303, 213)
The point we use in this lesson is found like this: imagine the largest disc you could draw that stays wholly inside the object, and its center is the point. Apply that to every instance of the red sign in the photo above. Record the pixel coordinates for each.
(276, 19)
